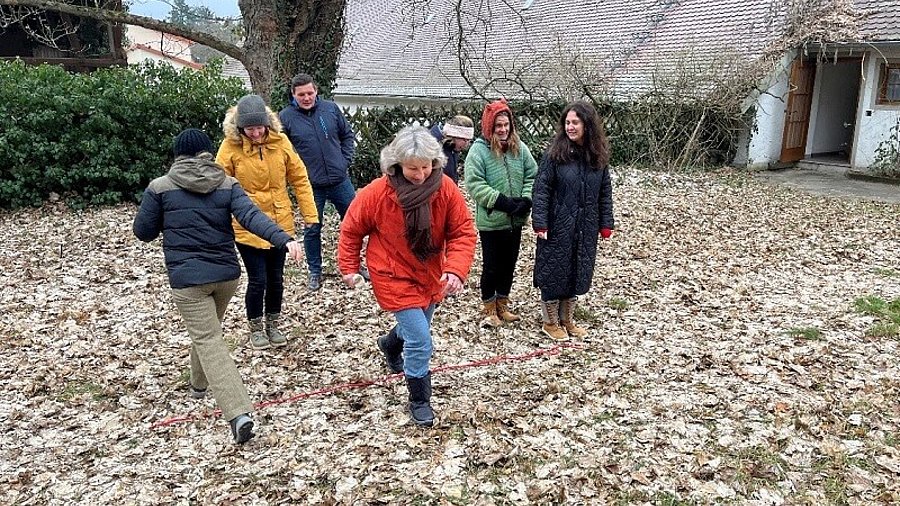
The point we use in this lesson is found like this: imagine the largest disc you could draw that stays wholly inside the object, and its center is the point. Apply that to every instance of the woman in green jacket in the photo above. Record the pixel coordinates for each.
(499, 173)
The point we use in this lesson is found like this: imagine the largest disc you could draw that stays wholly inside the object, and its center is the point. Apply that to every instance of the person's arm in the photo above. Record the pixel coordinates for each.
(148, 222)
(223, 158)
(530, 169)
(540, 196)
(461, 237)
(346, 135)
(476, 179)
(299, 180)
(607, 221)
(358, 222)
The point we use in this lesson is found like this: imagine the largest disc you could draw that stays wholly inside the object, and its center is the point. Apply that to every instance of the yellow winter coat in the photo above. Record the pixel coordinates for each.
(265, 171)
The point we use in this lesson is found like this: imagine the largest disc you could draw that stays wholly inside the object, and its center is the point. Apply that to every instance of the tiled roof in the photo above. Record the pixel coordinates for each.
(883, 19)
(620, 42)
(234, 68)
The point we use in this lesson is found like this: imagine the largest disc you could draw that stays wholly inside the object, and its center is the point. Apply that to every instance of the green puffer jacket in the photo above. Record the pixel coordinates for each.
(487, 177)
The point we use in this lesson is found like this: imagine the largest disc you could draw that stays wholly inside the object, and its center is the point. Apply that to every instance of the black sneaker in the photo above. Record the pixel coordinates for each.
(241, 428)
(365, 274)
(315, 282)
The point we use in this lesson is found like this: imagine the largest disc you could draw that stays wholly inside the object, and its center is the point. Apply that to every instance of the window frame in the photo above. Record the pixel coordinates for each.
(884, 76)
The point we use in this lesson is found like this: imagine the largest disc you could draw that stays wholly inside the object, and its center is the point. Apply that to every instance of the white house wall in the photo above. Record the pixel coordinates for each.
(874, 121)
(764, 146)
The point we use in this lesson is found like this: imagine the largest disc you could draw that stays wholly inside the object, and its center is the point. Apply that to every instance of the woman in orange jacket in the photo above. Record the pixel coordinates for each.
(421, 246)
(263, 160)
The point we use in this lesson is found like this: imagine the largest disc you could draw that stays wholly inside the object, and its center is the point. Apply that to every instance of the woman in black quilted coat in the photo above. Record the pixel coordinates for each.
(572, 208)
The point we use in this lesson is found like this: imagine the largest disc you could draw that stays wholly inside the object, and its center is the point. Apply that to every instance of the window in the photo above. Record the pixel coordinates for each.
(889, 89)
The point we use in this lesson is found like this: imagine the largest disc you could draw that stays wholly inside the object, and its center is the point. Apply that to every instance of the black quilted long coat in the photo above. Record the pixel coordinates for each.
(572, 202)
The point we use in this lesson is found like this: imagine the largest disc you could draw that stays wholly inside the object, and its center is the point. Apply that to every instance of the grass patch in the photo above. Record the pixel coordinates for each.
(617, 303)
(808, 333)
(585, 314)
(886, 311)
(886, 273)
(79, 388)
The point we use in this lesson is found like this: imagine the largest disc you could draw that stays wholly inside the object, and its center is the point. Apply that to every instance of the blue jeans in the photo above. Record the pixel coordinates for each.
(414, 327)
(340, 195)
(265, 279)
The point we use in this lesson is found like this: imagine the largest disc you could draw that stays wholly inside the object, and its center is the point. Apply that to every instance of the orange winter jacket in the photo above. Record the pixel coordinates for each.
(264, 171)
(399, 279)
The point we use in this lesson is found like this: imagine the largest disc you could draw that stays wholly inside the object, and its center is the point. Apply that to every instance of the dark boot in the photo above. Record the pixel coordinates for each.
(420, 400)
(392, 347)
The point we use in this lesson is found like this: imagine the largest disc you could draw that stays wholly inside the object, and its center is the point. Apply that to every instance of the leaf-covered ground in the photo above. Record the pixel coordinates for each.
(726, 364)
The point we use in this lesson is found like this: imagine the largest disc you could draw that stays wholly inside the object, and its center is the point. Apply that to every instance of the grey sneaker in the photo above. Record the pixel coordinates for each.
(197, 393)
(315, 282)
(242, 428)
(258, 338)
(276, 337)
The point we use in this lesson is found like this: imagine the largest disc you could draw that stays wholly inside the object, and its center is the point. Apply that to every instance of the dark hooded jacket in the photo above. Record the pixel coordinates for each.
(452, 167)
(572, 202)
(192, 207)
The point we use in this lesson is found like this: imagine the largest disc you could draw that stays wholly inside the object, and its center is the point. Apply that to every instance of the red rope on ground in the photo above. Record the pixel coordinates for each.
(355, 385)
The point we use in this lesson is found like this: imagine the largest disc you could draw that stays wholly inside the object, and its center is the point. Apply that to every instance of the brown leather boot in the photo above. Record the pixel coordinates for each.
(567, 318)
(550, 316)
(503, 311)
(489, 314)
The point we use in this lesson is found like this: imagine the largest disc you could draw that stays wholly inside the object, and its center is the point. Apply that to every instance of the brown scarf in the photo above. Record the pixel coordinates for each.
(416, 203)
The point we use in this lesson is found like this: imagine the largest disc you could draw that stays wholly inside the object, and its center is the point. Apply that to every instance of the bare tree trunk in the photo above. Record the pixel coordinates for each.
(282, 41)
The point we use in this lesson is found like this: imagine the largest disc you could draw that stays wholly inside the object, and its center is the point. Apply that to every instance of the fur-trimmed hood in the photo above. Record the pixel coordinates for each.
(233, 134)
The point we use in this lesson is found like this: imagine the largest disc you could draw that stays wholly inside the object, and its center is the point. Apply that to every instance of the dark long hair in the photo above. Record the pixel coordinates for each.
(594, 148)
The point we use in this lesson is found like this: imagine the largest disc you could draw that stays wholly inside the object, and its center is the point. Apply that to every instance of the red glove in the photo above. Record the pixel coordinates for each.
(605, 233)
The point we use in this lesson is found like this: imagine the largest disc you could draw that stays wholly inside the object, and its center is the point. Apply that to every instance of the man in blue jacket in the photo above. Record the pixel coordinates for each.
(324, 140)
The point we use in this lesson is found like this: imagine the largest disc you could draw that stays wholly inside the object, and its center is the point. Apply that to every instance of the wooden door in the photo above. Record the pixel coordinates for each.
(796, 118)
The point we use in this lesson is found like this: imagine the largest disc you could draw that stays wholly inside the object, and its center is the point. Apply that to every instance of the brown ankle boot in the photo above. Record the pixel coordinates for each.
(503, 311)
(550, 316)
(567, 318)
(489, 314)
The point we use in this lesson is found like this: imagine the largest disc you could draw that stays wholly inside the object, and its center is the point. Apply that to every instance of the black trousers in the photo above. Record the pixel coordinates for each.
(265, 279)
(499, 253)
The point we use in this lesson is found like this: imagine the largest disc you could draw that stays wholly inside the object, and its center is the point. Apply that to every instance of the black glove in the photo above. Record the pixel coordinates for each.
(523, 207)
(504, 204)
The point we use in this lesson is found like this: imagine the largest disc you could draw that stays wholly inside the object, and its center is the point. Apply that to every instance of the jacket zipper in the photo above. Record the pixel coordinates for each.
(508, 185)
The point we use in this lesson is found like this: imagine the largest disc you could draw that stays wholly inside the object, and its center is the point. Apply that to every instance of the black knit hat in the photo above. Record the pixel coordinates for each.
(251, 111)
(192, 142)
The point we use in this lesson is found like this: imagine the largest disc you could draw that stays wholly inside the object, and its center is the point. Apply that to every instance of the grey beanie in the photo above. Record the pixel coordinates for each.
(251, 111)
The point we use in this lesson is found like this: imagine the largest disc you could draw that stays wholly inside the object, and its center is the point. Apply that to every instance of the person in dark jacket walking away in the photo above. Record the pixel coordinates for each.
(455, 135)
(322, 136)
(192, 207)
(261, 158)
(572, 206)
(499, 175)
(421, 246)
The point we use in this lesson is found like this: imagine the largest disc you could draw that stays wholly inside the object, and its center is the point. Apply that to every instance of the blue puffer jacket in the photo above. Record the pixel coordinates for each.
(192, 206)
(323, 139)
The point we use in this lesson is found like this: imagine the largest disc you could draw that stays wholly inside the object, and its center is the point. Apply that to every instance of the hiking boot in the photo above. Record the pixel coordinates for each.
(315, 282)
(489, 316)
(567, 318)
(241, 428)
(258, 338)
(391, 346)
(550, 317)
(275, 335)
(503, 311)
(420, 400)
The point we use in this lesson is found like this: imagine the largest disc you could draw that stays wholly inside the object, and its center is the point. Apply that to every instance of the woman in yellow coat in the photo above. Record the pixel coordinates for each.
(264, 161)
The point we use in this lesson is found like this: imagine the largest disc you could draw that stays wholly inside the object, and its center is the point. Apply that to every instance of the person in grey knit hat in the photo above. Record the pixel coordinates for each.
(252, 111)
(263, 160)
